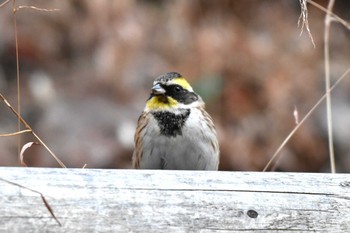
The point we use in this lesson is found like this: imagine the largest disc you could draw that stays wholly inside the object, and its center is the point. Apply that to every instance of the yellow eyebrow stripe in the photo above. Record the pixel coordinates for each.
(182, 82)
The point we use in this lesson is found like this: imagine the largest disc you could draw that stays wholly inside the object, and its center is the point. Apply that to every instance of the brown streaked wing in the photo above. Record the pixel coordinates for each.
(137, 155)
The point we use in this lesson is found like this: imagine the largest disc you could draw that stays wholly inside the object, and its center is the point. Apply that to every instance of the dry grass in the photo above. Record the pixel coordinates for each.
(303, 21)
(18, 112)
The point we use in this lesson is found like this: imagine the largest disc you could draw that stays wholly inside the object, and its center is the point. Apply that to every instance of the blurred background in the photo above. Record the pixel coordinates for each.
(86, 72)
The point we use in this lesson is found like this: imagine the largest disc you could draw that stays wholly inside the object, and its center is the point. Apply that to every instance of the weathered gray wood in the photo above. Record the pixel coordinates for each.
(86, 200)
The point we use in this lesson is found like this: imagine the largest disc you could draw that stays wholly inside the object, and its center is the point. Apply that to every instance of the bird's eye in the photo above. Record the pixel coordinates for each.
(178, 88)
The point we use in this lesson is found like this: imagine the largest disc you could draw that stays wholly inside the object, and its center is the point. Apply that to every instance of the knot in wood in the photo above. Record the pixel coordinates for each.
(252, 213)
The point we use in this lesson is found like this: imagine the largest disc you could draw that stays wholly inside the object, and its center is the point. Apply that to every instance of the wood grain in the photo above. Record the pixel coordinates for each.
(88, 200)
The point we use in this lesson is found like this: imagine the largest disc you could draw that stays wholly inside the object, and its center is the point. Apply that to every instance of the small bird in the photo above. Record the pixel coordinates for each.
(174, 131)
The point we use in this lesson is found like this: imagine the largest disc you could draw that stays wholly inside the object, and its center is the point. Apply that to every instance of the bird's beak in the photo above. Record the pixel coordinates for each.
(157, 89)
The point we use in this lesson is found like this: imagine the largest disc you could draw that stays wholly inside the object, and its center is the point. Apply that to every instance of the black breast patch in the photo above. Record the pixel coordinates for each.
(171, 124)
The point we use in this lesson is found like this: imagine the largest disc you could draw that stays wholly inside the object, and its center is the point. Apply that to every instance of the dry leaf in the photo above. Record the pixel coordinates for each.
(24, 148)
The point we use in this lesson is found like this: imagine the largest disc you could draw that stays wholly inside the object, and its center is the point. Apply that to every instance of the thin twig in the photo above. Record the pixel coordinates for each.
(37, 8)
(327, 22)
(334, 16)
(14, 111)
(48, 149)
(16, 133)
(303, 120)
(18, 80)
(4, 3)
(30, 128)
(18, 112)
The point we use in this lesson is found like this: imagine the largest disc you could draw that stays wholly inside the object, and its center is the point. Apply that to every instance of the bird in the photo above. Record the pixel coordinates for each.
(174, 131)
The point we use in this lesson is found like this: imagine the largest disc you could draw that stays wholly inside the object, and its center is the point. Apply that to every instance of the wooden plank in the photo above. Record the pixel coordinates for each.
(87, 200)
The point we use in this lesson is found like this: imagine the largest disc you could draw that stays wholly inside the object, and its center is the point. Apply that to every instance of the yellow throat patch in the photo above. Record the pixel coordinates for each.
(161, 102)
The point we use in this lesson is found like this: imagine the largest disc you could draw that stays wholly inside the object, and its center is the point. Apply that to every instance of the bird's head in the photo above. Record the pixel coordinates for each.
(172, 91)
